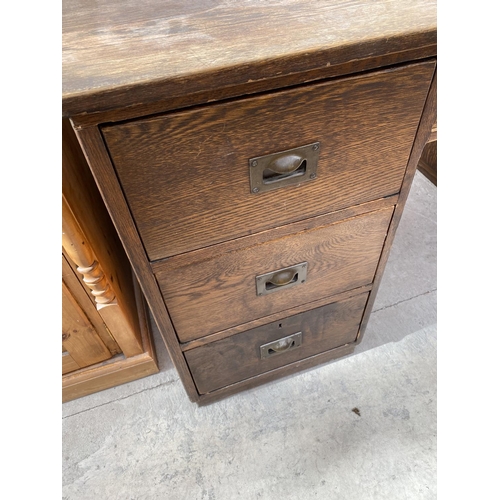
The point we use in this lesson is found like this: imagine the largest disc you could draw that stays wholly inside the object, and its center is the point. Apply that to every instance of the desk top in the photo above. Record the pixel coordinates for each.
(119, 52)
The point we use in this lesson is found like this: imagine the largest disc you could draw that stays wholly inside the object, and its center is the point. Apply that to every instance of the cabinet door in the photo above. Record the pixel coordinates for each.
(81, 342)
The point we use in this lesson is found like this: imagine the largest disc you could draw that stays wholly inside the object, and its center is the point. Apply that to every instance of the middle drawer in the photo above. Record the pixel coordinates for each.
(213, 289)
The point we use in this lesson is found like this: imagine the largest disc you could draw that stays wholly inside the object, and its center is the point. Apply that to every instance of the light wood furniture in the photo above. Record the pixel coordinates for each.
(255, 159)
(106, 337)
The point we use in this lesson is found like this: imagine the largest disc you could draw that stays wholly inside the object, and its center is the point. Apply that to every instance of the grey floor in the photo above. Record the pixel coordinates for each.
(296, 438)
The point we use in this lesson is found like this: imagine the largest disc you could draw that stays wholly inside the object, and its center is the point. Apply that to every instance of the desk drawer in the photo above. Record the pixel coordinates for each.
(186, 174)
(259, 350)
(209, 290)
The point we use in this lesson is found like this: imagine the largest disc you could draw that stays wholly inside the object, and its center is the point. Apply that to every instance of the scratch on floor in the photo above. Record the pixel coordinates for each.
(405, 300)
(169, 382)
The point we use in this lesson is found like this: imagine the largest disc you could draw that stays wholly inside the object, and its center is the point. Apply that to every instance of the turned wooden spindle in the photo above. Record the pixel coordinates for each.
(80, 252)
(78, 249)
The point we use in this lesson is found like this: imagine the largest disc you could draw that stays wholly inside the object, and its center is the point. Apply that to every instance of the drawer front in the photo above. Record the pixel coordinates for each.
(259, 350)
(186, 175)
(213, 289)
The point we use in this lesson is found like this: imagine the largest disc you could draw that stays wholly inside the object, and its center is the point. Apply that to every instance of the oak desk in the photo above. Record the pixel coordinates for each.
(255, 158)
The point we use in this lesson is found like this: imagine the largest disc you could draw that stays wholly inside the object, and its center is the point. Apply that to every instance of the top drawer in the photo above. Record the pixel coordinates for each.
(186, 174)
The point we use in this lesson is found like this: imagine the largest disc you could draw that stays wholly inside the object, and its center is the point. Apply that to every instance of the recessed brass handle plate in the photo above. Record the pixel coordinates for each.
(280, 346)
(284, 168)
(281, 278)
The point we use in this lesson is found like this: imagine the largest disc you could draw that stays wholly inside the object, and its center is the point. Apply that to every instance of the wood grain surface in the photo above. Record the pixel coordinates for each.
(79, 337)
(423, 134)
(72, 279)
(428, 161)
(68, 363)
(167, 102)
(117, 370)
(117, 53)
(186, 176)
(218, 290)
(282, 371)
(102, 169)
(123, 60)
(193, 344)
(227, 361)
(81, 194)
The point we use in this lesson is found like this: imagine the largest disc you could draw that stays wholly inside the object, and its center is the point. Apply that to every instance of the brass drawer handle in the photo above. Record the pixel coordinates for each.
(280, 346)
(275, 170)
(281, 279)
(285, 165)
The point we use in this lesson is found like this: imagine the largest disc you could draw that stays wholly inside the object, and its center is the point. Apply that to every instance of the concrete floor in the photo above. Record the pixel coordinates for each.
(296, 438)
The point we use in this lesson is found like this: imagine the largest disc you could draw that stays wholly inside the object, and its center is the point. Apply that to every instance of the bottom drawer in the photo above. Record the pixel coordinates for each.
(291, 339)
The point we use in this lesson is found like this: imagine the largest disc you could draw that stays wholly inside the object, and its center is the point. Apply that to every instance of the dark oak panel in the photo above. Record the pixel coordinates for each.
(218, 290)
(236, 358)
(421, 138)
(169, 101)
(185, 175)
(102, 169)
(118, 53)
(282, 371)
(193, 344)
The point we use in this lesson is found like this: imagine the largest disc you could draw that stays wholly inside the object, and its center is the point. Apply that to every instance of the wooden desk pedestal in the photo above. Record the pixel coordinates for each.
(255, 160)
